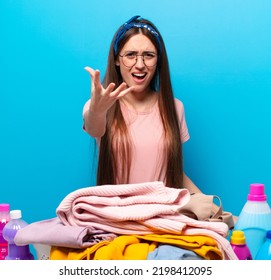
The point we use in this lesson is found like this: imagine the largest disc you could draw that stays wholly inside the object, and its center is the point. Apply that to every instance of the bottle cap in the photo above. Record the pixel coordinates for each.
(15, 214)
(256, 192)
(268, 234)
(4, 207)
(238, 237)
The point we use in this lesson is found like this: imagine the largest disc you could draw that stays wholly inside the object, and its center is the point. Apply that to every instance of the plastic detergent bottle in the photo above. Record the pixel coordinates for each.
(255, 218)
(4, 219)
(239, 246)
(264, 252)
(11, 228)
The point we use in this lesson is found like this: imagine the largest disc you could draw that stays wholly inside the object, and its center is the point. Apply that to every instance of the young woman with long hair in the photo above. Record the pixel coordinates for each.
(138, 123)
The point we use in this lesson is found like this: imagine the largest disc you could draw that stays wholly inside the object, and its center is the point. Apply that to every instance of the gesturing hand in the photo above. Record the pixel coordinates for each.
(103, 98)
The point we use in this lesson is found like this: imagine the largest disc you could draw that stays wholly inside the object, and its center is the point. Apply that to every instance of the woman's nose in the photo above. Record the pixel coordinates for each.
(140, 61)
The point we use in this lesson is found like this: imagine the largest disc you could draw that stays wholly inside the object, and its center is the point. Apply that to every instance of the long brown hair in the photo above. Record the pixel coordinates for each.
(115, 145)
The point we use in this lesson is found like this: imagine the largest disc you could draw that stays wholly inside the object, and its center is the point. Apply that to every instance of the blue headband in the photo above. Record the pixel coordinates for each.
(132, 24)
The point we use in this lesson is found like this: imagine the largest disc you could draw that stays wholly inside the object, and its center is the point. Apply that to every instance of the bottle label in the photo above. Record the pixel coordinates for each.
(3, 251)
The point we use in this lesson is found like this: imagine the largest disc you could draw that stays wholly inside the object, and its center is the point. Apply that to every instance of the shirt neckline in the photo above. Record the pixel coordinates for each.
(148, 111)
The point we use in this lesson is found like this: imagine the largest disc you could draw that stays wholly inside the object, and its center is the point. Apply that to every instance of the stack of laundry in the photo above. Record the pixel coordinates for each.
(134, 222)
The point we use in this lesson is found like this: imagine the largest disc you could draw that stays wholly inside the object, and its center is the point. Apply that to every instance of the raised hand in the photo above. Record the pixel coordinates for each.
(103, 98)
(101, 101)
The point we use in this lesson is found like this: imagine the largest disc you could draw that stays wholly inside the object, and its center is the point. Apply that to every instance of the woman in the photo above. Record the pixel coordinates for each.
(138, 124)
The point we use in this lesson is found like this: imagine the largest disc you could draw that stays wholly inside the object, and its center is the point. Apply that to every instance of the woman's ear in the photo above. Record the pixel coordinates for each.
(117, 62)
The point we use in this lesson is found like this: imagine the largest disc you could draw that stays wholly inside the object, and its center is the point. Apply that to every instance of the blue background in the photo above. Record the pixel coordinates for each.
(220, 63)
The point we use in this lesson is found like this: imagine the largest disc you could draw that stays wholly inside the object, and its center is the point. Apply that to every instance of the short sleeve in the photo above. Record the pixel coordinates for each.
(182, 122)
(85, 108)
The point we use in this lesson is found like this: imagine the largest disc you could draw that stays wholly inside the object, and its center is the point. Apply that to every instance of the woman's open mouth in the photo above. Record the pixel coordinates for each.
(138, 77)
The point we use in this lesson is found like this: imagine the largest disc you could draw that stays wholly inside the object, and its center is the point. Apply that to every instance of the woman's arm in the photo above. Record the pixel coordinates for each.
(101, 101)
(94, 123)
(188, 184)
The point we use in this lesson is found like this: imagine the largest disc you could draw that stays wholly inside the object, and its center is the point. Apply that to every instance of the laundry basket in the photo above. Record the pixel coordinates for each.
(43, 251)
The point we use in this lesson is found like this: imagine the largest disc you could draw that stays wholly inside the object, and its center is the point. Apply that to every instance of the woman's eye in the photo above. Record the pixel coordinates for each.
(130, 55)
(149, 55)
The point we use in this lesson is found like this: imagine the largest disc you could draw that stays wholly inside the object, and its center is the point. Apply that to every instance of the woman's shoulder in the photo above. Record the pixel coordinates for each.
(179, 104)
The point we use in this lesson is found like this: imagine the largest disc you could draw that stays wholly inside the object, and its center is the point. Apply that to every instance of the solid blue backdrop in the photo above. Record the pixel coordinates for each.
(220, 63)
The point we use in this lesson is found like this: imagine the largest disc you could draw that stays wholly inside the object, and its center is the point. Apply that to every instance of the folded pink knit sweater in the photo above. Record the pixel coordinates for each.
(126, 202)
(143, 208)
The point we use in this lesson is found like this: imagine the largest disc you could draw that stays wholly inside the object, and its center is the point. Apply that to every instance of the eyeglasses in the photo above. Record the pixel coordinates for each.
(129, 59)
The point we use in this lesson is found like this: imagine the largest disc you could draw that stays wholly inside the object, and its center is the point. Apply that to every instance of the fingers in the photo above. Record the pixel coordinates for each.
(95, 79)
(124, 92)
(121, 91)
(94, 74)
(114, 93)
(110, 88)
(90, 71)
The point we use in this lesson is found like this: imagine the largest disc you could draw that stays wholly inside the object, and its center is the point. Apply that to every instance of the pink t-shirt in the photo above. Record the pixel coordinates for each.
(146, 131)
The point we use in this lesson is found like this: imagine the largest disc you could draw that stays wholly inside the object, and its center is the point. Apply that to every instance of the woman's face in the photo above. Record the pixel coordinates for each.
(132, 67)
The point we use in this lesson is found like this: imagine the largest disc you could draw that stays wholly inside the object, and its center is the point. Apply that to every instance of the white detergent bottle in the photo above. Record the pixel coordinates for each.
(255, 218)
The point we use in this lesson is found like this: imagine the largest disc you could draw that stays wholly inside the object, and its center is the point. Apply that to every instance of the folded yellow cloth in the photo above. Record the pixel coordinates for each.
(205, 246)
(137, 247)
(64, 253)
(125, 247)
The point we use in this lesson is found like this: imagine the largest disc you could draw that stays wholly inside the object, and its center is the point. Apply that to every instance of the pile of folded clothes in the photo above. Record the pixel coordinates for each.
(145, 221)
